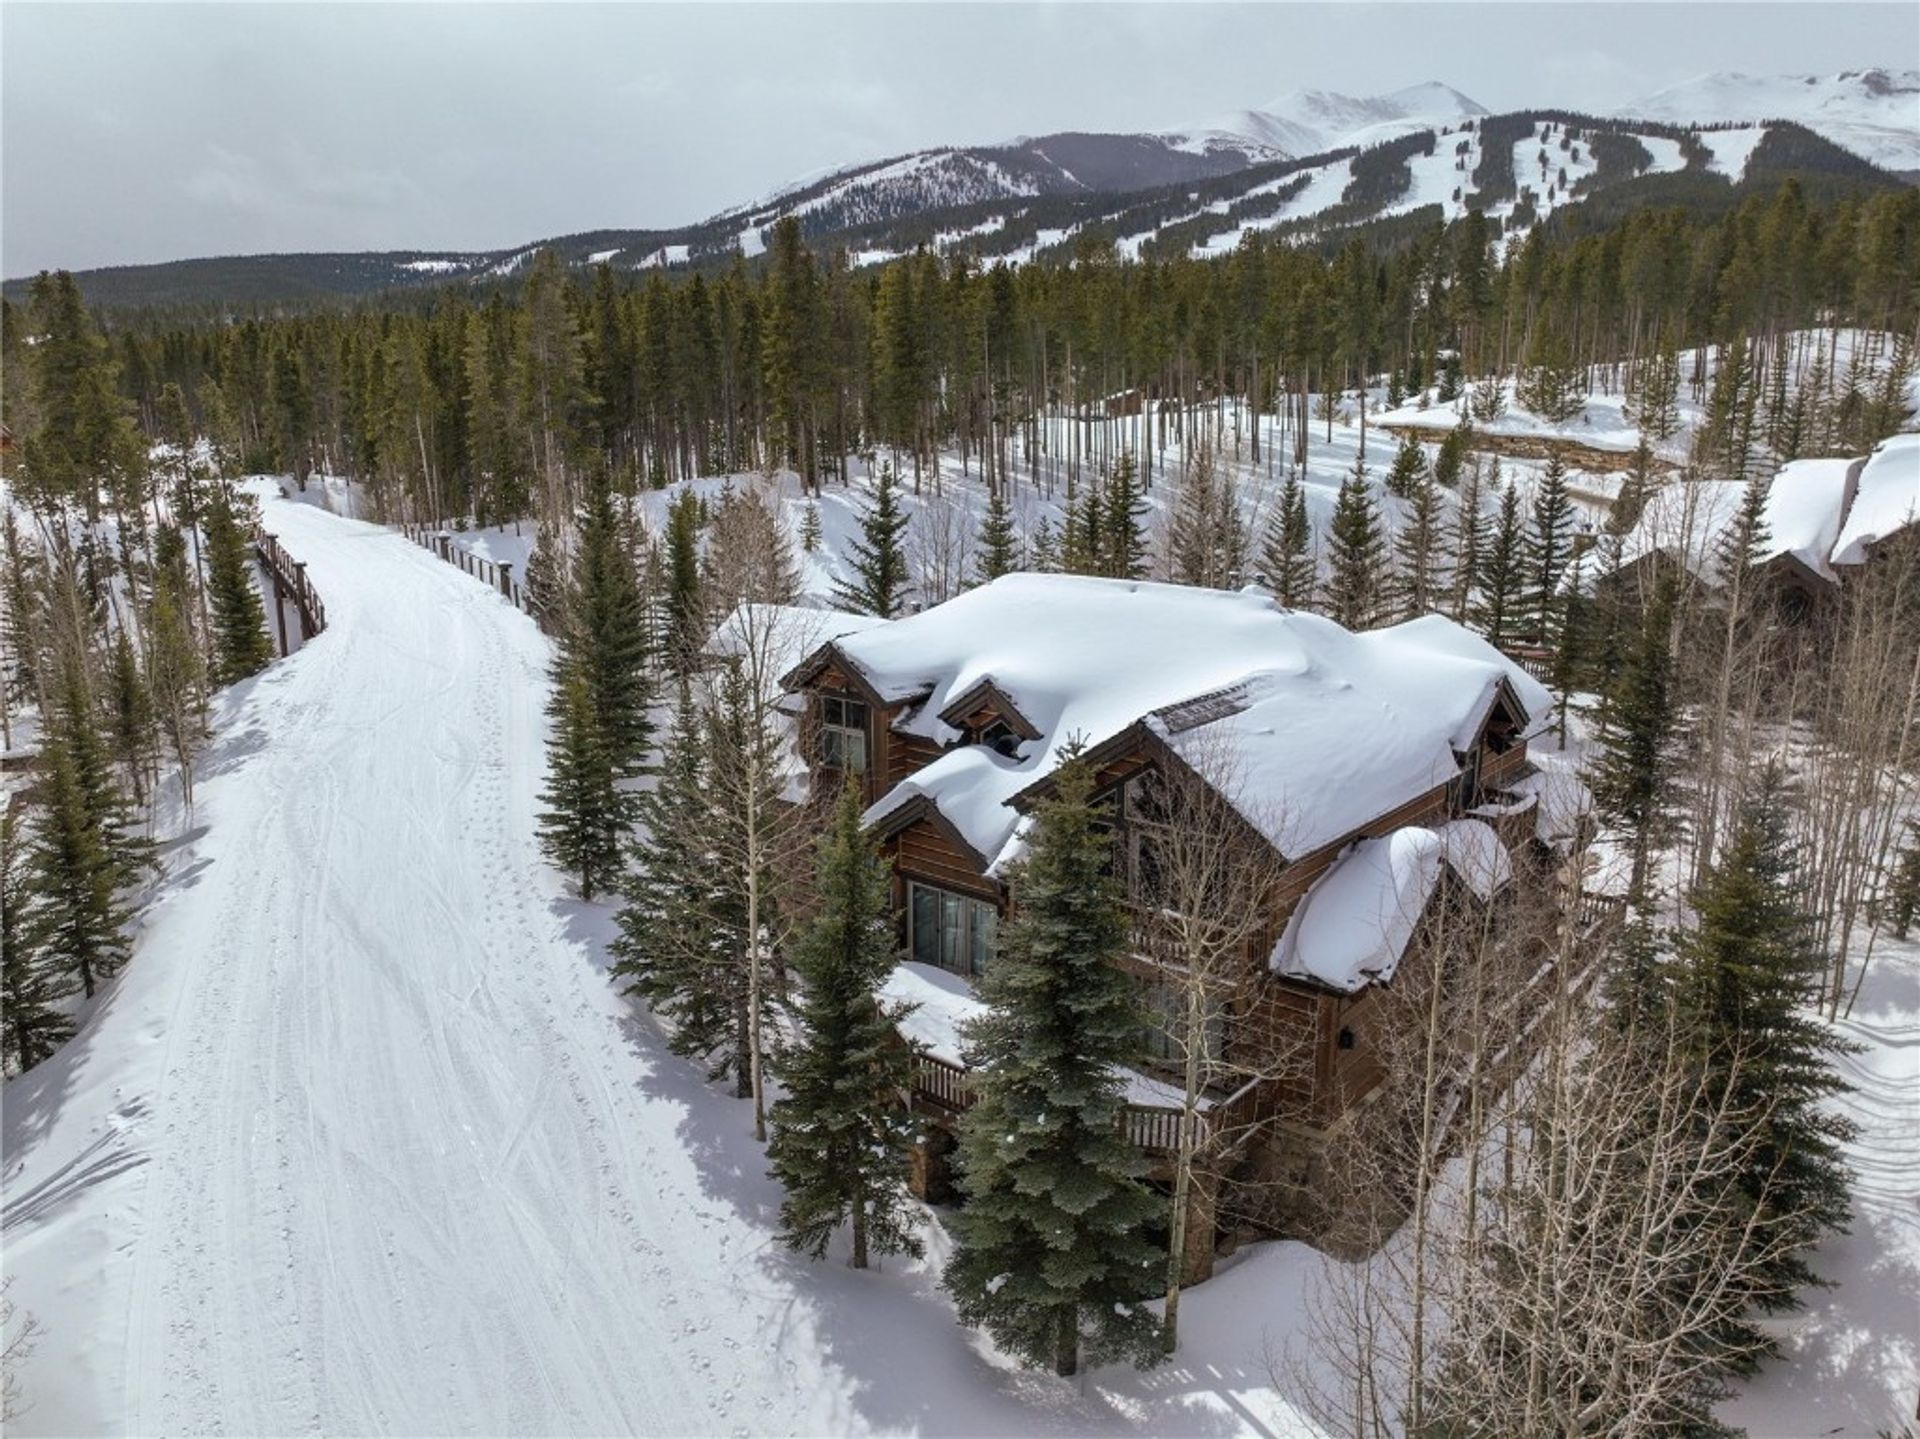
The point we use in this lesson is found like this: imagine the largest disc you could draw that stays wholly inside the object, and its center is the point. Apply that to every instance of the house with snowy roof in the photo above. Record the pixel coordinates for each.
(1383, 773)
(1825, 518)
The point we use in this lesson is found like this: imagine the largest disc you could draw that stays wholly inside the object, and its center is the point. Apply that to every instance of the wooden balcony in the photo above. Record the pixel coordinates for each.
(947, 1089)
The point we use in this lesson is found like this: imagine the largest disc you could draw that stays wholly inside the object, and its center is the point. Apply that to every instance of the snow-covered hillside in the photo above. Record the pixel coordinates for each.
(1874, 113)
(1312, 122)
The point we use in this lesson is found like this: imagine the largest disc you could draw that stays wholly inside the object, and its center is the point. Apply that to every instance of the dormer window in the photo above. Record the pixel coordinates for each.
(843, 734)
(1000, 738)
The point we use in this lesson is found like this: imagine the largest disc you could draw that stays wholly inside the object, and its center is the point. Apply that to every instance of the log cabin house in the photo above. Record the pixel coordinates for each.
(1379, 770)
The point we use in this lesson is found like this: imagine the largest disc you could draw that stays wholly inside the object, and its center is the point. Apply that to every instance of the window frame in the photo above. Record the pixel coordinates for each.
(964, 929)
(840, 736)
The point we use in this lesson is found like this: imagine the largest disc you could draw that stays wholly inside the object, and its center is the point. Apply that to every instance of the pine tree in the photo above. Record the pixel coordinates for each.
(879, 556)
(131, 721)
(175, 672)
(1356, 555)
(1051, 1250)
(603, 644)
(810, 528)
(1503, 574)
(999, 548)
(1286, 556)
(686, 609)
(1419, 577)
(240, 643)
(32, 1021)
(840, 1136)
(84, 853)
(1551, 386)
(1550, 537)
(1123, 542)
(1753, 972)
(1471, 539)
(1207, 539)
(1637, 716)
(1450, 458)
(1902, 904)
(1409, 470)
(582, 827)
(679, 941)
(1655, 405)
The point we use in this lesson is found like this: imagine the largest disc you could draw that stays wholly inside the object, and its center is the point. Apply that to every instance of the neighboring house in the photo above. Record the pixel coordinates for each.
(1381, 771)
(1823, 517)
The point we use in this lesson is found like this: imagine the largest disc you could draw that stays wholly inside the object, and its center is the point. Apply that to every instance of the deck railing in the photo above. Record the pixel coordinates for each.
(1152, 1127)
(495, 574)
(290, 583)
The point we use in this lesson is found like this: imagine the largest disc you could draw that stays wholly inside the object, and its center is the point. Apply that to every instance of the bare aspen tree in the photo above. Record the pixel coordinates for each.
(1202, 879)
(762, 831)
(940, 548)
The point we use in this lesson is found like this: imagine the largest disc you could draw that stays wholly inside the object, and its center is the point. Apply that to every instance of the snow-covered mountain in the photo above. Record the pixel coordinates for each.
(1312, 122)
(1874, 113)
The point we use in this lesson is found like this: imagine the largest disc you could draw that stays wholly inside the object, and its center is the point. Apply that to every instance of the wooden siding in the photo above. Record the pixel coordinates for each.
(921, 852)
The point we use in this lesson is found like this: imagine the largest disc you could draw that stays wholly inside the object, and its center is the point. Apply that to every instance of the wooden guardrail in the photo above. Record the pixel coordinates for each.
(1152, 1127)
(290, 582)
(494, 574)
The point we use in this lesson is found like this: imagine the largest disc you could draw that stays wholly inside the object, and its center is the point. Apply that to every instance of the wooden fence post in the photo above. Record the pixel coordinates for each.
(506, 581)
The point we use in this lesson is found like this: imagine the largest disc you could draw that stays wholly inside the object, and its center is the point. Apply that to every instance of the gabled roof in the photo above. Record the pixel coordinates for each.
(1888, 500)
(1331, 728)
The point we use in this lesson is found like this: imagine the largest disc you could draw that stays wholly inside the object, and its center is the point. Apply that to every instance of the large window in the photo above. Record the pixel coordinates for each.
(843, 734)
(1163, 1010)
(949, 930)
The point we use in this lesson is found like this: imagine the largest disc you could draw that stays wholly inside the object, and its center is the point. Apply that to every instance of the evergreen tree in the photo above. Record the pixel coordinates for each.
(1550, 537)
(84, 853)
(241, 646)
(1051, 1252)
(1471, 539)
(1450, 458)
(999, 548)
(131, 721)
(879, 556)
(582, 827)
(1356, 554)
(679, 941)
(686, 610)
(1503, 574)
(1207, 539)
(1123, 541)
(810, 528)
(1655, 404)
(1286, 556)
(1409, 470)
(1753, 971)
(1637, 717)
(1551, 386)
(1419, 577)
(1902, 904)
(840, 1136)
(603, 639)
(32, 1021)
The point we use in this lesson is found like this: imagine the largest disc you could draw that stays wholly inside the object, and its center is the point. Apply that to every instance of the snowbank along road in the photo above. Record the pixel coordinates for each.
(358, 1142)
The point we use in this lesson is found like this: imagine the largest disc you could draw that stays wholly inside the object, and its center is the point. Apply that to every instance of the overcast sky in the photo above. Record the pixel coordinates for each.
(160, 131)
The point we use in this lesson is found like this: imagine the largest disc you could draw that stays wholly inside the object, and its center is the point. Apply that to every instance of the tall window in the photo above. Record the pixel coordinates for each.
(950, 931)
(843, 734)
(1163, 1010)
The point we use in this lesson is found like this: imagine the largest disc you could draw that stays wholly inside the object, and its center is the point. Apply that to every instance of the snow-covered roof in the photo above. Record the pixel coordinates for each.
(1687, 520)
(938, 1005)
(1323, 729)
(1888, 499)
(1562, 801)
(1353, 925)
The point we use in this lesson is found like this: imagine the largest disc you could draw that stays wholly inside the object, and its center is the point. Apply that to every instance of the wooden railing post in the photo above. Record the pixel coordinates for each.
(506, 582)
(270, 553)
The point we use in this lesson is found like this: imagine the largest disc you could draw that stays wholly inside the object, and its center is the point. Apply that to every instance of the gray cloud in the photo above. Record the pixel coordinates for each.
(132, 133)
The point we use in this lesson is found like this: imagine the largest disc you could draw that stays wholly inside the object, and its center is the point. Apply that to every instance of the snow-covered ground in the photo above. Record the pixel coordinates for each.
(364, 1141)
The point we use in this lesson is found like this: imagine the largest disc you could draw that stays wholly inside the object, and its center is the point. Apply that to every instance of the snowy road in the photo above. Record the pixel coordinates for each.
(364, 1143)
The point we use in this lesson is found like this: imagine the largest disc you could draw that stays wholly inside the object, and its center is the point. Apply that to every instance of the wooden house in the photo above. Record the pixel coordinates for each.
(1373, 774)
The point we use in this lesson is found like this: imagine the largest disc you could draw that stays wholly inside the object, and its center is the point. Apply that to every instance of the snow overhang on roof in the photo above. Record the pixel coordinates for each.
(1886, 502)
(1324, 729)
(1354, 924)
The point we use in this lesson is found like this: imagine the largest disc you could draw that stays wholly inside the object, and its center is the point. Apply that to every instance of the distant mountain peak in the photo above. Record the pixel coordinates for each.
(1868, 111)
